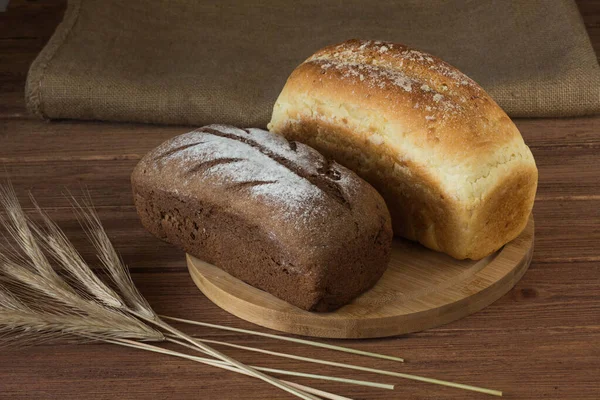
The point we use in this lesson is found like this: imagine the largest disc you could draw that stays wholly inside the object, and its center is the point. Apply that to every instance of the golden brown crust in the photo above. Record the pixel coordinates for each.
(432, 95)
(451, 165)
(503, 214)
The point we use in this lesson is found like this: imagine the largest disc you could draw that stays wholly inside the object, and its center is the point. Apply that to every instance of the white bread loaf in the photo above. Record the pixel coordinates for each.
(452, 167)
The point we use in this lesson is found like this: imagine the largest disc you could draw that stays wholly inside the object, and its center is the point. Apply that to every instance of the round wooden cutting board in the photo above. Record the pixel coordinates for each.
(421, 289)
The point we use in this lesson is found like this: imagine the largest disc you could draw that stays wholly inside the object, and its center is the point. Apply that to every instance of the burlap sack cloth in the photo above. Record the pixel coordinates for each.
(206, 61)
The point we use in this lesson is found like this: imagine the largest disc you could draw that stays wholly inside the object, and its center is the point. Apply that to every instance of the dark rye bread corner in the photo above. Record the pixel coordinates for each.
(275, 214)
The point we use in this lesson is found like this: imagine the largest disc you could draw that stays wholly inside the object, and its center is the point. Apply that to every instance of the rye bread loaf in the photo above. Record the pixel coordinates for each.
(275, 214)
(452, 167)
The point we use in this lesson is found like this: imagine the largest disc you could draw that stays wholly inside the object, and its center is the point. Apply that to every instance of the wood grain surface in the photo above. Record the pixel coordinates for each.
(420, 289)
(539, 341)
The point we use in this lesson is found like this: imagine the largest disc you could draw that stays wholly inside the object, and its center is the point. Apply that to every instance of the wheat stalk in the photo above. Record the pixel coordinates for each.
(221, 364)
(67, 256)
(287, 339)
(359, 368)
(294, 373)
(32, 277)
(273, 370)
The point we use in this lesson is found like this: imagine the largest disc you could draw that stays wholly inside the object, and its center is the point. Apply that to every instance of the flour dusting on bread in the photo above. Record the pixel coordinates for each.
(382, 64)
(291, 175)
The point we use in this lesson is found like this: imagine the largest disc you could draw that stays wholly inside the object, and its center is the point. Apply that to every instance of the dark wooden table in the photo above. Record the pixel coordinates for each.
(540, 341)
